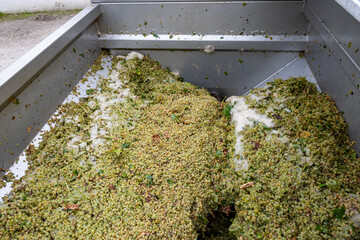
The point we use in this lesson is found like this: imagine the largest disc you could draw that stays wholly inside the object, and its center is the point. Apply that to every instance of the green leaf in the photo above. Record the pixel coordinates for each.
(75, 196)
(226, 73)
(15, 101)
(89, 91)
(218, 153)
(240, 61)
(353, 155)
(174, 117)
(297, 146)
(349, 45)
(155, 35)
(264, 126)
(100, 172)
(332, 184)
(319, 228)
(75, 172)
(339, 213)
(170, 182)
(171, 36)
(125, 145)
(24, 223)
(124, 175)
(227, 110)
(216, 198)
(150, 180)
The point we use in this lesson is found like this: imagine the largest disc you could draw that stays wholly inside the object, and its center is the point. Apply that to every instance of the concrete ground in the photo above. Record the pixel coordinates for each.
(19, 36)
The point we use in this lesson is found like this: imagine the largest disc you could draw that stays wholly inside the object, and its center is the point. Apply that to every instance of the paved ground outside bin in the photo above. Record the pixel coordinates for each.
(19, 36)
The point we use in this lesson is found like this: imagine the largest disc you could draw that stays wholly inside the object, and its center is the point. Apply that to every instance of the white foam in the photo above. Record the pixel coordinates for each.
(176, 73)
(115, 82)
(19, 168)
(209, 49)
(115, 85)
(102, 119)
(242, 116)
(97, 141)
(5, 190)
(92, 104)
(133, 55)
(76, 143)
(256, 97)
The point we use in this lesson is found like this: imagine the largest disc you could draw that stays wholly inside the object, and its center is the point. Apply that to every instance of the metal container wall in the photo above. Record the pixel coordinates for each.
(225, 46)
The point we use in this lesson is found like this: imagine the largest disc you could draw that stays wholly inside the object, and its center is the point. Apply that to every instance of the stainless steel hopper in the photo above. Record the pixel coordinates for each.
(225, 46)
